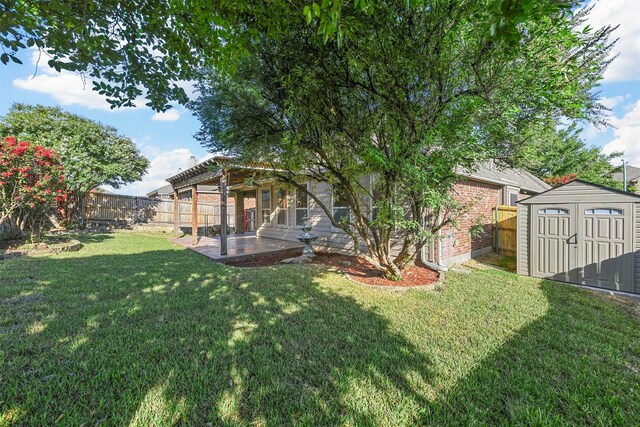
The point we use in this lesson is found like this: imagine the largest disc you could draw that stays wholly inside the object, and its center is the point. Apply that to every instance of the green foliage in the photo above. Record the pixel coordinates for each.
(414, 95)
(92, 154)
(553, 152)
(141, 48)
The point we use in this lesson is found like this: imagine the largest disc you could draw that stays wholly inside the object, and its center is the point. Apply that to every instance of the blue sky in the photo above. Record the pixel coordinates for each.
(167, 139)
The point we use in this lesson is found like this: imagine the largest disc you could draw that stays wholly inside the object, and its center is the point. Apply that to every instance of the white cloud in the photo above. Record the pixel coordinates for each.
(168, 116)
(66, 87)
(626, 14)
(163, 164)
(613, 101)
(627, 135)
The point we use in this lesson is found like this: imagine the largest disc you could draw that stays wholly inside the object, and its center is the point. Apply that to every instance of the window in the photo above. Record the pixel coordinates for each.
(376, 196)
(603, 211)
(513, 199)
(281, 206)
(302, 206)
(266, 206)
(553, 211)
(341, 211)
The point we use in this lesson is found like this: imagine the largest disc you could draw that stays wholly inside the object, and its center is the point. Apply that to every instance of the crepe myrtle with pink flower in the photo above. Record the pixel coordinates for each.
(31, 183)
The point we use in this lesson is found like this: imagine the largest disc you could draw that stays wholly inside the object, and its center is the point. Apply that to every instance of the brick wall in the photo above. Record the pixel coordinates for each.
(482, 198)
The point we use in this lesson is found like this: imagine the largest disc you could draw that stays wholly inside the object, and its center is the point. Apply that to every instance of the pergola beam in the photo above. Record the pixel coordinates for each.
(176, 214)
(223, 212)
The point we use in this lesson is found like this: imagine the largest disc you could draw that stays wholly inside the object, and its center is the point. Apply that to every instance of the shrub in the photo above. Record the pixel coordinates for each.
(31, 182)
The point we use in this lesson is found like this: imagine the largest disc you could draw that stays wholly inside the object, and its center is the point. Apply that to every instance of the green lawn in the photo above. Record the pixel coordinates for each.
(133, 330)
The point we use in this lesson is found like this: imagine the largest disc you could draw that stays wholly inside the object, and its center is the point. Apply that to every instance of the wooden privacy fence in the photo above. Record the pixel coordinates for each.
(134, 209)
(505, 222)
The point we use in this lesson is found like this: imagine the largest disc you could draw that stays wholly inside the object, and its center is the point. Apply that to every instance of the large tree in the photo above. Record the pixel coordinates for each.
(92, 154)
(135, 48)
(552, 153)
(415, 94)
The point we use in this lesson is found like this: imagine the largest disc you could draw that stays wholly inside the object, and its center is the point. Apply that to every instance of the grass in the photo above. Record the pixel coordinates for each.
(133, 330)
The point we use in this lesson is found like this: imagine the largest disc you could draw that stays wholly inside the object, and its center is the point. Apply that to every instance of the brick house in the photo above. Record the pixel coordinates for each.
(280, 209)
(483, 189)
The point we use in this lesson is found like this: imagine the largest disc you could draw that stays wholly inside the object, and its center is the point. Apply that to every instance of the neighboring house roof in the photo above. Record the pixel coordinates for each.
(165, 189)
(100, 190)
(633, 174)
(490, 172)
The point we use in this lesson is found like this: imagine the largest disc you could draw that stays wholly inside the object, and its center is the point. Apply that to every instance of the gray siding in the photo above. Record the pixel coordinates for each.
(636, 247)
(331, 238)
(522, 242)
(577, 192)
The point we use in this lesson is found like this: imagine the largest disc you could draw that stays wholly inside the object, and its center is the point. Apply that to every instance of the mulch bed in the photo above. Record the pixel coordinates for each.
(356, 268)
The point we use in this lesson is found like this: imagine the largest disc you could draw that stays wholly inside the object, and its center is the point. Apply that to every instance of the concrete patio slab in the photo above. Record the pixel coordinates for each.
(240, 247)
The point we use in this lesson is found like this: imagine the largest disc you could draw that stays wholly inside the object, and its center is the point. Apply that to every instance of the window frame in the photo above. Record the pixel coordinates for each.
(306, 209)
(561, 211)
(612, 211)
(268, 209)
(334, 207)
(372, 200)
(511, 194)
(284, 209)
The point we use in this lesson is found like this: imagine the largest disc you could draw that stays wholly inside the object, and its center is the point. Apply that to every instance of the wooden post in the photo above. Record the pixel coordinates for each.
(194, 215)
(239, 212)
(223, 213)
(176, 214)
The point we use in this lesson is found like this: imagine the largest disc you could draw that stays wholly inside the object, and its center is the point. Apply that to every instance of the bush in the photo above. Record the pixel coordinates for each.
(31, 183)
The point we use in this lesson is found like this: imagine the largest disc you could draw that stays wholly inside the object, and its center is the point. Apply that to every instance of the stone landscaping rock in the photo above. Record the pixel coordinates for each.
(345, 263)
(42, 249)
(302, 259)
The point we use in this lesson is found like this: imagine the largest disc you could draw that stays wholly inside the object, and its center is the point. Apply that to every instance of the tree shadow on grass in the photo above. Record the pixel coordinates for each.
(164, 337)
(579, 364)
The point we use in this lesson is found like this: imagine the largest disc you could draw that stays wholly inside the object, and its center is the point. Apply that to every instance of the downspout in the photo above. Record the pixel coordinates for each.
(438, 266)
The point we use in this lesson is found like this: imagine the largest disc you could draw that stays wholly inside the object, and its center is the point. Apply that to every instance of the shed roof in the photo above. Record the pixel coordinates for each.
(582, 191)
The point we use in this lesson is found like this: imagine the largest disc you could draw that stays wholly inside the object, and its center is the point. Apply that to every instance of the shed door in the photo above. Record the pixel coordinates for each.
(605, 248)
(553, 237)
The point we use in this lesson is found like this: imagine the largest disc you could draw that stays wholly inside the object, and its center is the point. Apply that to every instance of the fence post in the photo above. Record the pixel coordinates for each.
(497, 232)
(83, 209)
(136, 215)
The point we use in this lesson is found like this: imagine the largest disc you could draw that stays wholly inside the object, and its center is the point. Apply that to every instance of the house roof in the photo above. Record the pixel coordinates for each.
(486, 172)
(633, 173)
(165, 189)
(490, 172)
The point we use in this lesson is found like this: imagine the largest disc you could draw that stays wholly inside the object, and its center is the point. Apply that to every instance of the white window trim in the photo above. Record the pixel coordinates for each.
(285, 209)
(612, 211)
(295, 204)
(262, 208)
(372, 202)
(333, 207)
